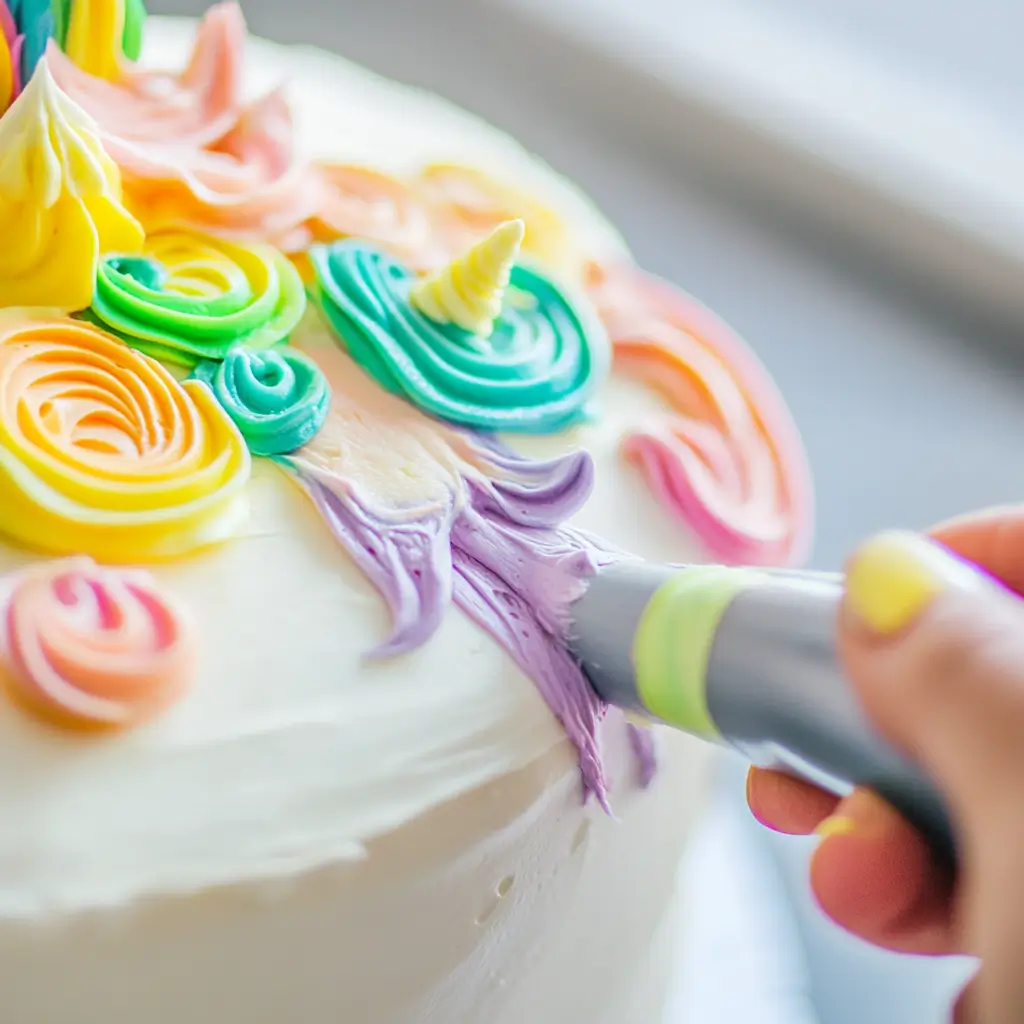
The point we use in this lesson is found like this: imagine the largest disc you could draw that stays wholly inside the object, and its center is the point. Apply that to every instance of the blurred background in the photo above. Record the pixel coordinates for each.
(841, 181)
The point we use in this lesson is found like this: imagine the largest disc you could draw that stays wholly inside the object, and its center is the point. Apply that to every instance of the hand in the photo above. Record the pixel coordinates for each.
(936, 652)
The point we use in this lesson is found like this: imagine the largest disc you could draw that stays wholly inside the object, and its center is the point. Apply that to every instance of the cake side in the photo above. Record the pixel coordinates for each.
(405, 837)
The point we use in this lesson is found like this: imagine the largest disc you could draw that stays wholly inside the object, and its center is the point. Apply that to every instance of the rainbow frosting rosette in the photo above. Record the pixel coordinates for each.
(486, 342)
(103, 452)
(189, 297)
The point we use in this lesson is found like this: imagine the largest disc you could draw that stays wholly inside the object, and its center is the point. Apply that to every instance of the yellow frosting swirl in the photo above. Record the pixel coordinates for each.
(468, 292)
(103, 452)
(60, 200)
(95, 36)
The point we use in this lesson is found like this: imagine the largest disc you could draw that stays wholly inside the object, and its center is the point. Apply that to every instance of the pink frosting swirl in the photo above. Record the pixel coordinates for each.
(192, 153)
(90, 647)
(727, 459)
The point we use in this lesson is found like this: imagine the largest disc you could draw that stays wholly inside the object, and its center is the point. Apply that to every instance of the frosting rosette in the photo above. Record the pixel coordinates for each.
(727, 459)
(88, 647)
(102, 451)
(535, 372)
(60, 201)
(278, 399)
(189, 297)
(192, 151)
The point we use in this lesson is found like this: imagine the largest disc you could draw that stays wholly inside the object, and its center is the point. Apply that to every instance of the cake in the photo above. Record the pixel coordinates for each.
(319, 406)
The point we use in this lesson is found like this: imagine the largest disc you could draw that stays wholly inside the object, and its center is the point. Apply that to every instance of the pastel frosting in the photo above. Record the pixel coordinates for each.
(102, 451)
(231, 171)
(11, 43)
(437, 515)
(88, 647)
(536, 372)
(60, 200)
(99, 34)
(278, 399)
(468, 293)
(727, 461)
(189, 297)
(474, 203)
(360, 202)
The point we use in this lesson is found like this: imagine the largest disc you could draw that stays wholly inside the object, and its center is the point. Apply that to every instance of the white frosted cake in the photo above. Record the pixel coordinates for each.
(318, 409)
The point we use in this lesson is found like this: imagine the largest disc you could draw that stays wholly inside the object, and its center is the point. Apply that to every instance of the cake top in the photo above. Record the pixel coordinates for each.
(185, 292)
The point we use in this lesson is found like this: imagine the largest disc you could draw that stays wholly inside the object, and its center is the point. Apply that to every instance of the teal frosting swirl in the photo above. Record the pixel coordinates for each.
(232, 295)
(536, 373)
(278, 399)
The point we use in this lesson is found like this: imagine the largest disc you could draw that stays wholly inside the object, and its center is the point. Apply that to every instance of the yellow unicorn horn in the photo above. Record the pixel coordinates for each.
(468, 291)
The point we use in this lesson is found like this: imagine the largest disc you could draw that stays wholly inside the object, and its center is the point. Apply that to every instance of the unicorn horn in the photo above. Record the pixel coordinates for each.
(468, 291)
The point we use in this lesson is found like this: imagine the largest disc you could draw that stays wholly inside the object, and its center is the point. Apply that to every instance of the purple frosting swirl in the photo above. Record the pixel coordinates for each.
(507, 559)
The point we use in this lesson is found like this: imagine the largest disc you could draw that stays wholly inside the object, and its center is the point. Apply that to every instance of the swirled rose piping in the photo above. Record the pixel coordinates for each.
(60, 201)
(92, 648)
(190, 297)
(728, 461)
(277, 399)
(102, 451)
(536, 372)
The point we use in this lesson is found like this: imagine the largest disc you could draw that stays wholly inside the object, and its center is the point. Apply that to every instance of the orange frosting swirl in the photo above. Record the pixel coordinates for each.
(103, 451)
(363, 203)
(477, 203)
(90, 648)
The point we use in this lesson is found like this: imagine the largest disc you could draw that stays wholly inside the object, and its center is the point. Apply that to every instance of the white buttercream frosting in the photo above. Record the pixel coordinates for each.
(421, 815)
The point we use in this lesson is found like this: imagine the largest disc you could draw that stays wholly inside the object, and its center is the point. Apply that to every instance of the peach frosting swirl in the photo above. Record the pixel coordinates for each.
(475, 203)
(103, 451)
(89, 647)
(397, 215)
(192, 152)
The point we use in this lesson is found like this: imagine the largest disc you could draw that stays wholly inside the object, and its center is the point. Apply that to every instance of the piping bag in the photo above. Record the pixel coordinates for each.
(747, 657)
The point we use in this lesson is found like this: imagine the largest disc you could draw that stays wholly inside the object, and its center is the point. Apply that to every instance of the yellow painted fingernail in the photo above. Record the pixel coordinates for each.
(893, 578)
(837, 825)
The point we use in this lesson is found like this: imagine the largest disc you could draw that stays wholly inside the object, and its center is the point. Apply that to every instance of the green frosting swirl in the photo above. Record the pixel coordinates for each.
(187, 298)
(278, 399)
(536, 373)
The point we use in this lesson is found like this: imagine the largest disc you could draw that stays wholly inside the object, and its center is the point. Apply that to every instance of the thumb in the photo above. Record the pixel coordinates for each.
(935, 648)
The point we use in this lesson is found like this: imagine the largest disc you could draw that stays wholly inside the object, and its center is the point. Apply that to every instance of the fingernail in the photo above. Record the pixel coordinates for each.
(895, 576)
(836, 825)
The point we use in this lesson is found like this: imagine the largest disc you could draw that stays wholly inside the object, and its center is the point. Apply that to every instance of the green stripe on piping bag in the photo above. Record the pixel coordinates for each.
(673, 643)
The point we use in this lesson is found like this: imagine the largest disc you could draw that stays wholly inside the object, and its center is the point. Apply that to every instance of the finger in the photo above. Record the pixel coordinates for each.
(787, 804)
(874, 876)
(936, 651)
(965, 1007)
(993, 539)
